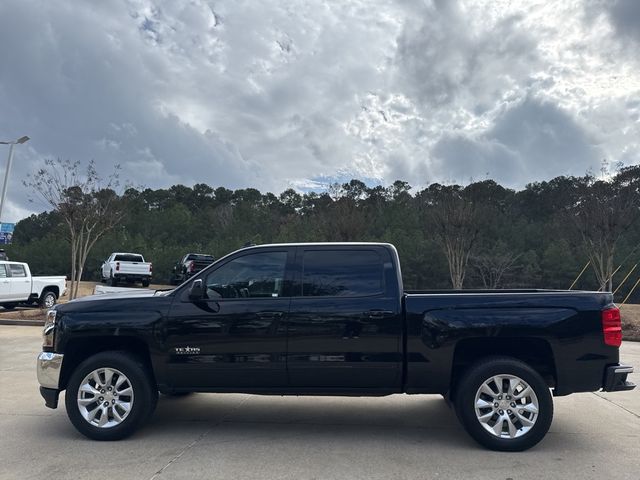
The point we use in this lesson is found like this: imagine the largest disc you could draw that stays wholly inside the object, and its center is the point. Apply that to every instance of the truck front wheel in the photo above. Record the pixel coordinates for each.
(504, 404)
(110, 395)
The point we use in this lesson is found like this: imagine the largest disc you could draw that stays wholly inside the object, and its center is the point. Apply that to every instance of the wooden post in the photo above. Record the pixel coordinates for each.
(632, 289)
(625, 278)
(579, 275)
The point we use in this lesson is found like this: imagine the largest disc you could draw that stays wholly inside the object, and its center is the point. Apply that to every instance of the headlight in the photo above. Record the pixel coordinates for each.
(49, 329)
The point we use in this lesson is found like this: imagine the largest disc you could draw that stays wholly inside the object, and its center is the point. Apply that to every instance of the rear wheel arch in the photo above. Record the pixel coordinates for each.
(52, 288)
(535, 352)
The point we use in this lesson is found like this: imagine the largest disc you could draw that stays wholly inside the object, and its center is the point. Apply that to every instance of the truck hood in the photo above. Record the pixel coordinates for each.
(125, 301)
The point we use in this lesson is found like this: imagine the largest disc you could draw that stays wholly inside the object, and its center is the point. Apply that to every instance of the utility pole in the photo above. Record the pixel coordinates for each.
(11, 144)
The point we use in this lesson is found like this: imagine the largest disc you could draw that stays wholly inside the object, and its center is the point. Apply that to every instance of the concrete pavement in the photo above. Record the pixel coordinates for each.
(244, 436)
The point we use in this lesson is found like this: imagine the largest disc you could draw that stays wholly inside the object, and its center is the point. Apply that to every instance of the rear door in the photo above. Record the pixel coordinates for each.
(19, 281)
(345, 322)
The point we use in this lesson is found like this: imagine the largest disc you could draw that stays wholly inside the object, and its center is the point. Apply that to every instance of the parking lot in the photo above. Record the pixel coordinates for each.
(245, 436)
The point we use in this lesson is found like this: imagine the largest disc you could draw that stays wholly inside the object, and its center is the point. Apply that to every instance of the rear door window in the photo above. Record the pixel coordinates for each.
(342, 273)
(17, 270)
(3, 271)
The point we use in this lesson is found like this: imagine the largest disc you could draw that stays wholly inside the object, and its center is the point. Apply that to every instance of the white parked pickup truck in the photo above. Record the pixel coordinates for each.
(126, 267)
(18, 286)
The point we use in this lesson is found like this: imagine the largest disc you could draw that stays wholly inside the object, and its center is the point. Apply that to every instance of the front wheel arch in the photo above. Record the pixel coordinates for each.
(79, 349)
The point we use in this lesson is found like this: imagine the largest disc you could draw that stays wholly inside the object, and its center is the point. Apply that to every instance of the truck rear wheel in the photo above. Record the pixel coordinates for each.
(47, 300)
(110, 395)
(504, 404)
(145, 283)
(113, 281)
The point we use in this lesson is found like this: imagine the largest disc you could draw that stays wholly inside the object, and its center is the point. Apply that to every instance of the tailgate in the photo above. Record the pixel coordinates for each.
(134, 268)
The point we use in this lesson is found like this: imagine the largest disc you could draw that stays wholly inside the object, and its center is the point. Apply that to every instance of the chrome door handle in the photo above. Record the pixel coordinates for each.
(378, 313)
(269, 315)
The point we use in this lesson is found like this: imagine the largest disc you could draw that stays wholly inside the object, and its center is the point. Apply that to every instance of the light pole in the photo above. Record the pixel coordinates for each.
(19, 141)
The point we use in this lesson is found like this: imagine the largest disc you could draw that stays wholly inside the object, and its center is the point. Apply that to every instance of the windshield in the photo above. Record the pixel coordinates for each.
(128, 257)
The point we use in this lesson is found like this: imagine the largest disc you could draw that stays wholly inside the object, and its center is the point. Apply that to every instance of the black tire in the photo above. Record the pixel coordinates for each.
(113, 281)
(145, 283)
(465, 399)
(47, 300)
(145, 395)
(447, 400)
(9, 306)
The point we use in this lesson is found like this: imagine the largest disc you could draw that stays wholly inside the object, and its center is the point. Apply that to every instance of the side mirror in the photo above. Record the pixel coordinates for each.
(196, 291)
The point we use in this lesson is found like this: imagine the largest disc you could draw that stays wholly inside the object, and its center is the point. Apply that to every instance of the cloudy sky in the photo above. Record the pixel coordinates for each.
(280, 93)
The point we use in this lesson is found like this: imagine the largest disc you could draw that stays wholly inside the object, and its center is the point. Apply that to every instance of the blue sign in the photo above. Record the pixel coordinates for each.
(7, 227)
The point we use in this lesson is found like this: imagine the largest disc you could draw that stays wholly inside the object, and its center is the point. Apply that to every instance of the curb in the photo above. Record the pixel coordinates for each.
(25, 323)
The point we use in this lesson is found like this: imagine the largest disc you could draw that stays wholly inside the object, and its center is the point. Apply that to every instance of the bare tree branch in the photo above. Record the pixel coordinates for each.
(88, 204)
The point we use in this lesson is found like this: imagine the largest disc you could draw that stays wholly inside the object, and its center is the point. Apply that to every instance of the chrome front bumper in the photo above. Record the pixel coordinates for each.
(49, 366)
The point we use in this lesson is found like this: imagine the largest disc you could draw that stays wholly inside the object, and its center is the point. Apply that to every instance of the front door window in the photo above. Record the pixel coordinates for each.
(258, 275)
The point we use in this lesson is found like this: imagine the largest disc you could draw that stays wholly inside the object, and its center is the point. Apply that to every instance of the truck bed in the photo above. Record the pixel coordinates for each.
(445, 327)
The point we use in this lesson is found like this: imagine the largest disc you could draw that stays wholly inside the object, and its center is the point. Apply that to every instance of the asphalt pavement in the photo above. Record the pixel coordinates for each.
(228, 436)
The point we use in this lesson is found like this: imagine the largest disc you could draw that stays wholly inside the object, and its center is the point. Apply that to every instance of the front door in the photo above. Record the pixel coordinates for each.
(235, 336)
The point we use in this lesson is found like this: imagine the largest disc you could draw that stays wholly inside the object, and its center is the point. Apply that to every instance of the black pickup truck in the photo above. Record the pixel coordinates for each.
(188, 266)
(331, 319)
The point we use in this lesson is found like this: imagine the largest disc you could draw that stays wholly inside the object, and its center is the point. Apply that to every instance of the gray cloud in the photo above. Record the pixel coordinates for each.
(625, 17)
(446, 59)
(533, 139)
(278, 93)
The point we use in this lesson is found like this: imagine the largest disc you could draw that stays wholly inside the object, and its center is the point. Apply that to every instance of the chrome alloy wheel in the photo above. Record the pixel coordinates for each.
(49, 301)
(506, 406)
(105, 397)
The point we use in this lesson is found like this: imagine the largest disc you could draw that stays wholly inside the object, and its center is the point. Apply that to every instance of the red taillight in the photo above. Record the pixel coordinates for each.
(117, 266)
(192, 266)
(612, 326)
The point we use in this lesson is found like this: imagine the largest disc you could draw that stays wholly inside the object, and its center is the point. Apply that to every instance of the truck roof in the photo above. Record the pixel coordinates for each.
(322, 244)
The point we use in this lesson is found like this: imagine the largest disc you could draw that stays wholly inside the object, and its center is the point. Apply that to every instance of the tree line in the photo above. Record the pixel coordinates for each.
(480, 235)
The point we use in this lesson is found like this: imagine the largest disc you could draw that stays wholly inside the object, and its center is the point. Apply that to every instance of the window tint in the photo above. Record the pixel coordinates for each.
(3, 271)
(341, 273)
(128, 258)
(200, 258)
(17, 270)
(254, 275)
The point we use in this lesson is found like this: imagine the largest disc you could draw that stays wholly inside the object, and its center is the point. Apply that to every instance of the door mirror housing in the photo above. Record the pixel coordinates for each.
(196, 290)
